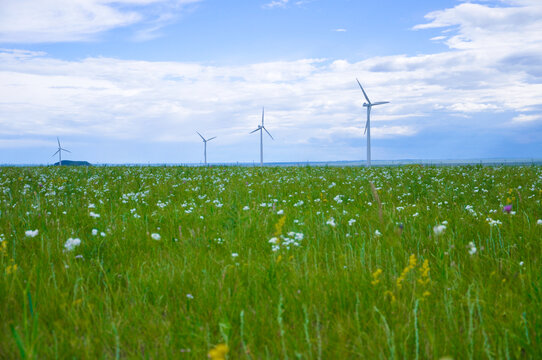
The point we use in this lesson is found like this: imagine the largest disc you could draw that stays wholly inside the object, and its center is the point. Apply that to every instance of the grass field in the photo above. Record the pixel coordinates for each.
(280, 263)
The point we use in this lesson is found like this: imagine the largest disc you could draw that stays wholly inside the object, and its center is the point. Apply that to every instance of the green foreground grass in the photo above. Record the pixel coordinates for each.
(371, 276)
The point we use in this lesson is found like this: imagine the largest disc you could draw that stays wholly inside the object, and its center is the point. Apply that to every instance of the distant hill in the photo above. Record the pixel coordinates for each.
(73, 163)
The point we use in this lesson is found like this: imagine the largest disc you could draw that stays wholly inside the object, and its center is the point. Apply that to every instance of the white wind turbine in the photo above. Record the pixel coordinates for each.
(205, 145)
(369, 105)
(59, 152)
(261, 128)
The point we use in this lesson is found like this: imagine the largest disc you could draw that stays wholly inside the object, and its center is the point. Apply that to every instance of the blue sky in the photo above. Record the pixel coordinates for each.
(132, 80)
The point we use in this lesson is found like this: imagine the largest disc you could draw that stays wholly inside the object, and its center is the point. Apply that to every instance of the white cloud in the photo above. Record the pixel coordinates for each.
(284, 3)
(276, 3)
(339, 30)
(524, 118)
(35, 21)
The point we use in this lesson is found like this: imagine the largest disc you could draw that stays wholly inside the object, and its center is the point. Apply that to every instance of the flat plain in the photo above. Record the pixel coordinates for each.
(253, 263)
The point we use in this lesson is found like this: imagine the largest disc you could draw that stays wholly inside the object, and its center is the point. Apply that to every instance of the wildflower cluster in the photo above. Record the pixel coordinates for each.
(280, 241)
(411, 265)
(293, 239)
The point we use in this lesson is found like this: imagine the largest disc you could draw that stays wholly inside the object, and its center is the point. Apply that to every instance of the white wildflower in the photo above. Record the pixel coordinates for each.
(378, 233)
(274, 241)
(351, 222)
(94, 215)
(189, 296)
(94, 232)
(331, 222)
(472, 248)
(492, 222)
(31, 233)
(246, 208)
(439, 229)
(156, 236)
(280, 212)
(72, 244)
(234, 255)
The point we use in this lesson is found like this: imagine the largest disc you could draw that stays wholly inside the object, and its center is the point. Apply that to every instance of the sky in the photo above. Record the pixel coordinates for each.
(131, 81)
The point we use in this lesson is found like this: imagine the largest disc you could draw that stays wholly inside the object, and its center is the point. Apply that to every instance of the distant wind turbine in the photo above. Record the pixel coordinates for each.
(59, 152)
(261, 128)
(205, 145)
(369, 105)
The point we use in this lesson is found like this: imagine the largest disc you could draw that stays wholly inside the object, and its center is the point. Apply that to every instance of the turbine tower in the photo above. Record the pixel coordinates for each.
(261, 128)
(205, 146)
(369, 105)
(59, 152)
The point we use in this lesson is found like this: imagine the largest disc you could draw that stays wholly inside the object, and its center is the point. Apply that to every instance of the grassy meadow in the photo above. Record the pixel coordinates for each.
(403, 262)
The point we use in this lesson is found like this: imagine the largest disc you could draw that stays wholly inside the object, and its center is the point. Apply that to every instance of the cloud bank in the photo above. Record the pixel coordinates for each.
(492, 66)
(38, 21)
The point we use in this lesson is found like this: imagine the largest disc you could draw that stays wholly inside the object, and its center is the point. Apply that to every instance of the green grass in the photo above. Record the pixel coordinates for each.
(131, 296)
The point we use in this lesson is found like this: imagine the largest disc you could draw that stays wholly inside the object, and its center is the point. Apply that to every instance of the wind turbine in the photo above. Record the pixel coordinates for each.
(260, 128)
(205, 145)
(369, 106)
(59, 152)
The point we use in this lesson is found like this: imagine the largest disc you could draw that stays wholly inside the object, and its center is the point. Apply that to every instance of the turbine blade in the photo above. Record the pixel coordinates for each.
(66, 150)
(214, 137)
(263, 111)
(364, 94)
(55, 153)
(57, 139)
(380, 103)
(268, 133)
(202, 138)
(366, 124)
(253, 131)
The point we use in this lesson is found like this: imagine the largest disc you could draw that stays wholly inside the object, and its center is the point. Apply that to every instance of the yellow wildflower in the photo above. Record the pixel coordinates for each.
(10, 269)
(279, 225)
(412, 261)
(424, 273)
(218, 352)
(376, 276)
(426, 293)
(388, 294)
(411, 265)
